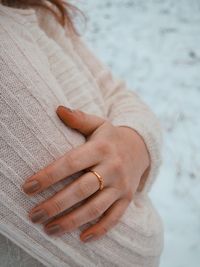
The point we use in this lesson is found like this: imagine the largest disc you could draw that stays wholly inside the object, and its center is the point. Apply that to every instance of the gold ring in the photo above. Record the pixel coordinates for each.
(99, 178)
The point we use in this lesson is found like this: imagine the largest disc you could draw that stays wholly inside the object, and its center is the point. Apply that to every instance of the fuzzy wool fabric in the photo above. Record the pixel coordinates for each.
(42, 66)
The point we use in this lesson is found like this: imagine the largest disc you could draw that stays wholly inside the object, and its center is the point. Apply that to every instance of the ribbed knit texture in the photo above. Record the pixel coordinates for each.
(42, 67)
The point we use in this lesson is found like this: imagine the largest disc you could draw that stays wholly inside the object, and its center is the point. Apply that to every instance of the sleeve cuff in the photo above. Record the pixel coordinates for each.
(153, 140)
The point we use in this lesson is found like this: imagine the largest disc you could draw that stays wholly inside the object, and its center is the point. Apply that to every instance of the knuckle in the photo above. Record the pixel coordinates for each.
(113, 221)
(125, 184)
(129, 196)
(117, 192)
(49, 177)
(56, 206)
(117, 166)
(95, 211)
(72, 162)
(83, 189)
(103, 147)
(71, 222)
(103, 230)
(122, 185)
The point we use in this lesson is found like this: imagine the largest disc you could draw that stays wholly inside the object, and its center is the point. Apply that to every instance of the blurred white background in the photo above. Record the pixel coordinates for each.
(155, 47)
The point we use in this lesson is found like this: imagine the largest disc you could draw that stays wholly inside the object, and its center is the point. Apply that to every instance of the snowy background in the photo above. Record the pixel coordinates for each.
(155, 47)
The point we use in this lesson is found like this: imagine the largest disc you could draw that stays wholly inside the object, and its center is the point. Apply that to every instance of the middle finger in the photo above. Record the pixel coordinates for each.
(72, 194)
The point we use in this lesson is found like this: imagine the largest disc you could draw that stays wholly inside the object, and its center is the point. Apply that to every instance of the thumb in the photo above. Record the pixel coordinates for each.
(79, 120)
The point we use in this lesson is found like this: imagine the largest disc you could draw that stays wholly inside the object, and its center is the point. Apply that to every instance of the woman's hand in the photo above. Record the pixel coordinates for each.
(118, 154)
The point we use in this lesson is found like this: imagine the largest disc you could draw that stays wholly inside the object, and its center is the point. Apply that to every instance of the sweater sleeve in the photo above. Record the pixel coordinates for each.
(125, 108)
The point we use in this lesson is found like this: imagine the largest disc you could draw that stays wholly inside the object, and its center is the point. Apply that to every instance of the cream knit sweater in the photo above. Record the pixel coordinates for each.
(42, 67)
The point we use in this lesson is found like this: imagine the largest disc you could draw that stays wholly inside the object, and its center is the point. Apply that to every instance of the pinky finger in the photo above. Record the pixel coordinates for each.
(109, 219)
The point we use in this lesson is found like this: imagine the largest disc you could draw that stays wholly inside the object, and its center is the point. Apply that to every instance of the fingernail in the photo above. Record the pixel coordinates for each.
(31, 187)
(88, 238)
(70, 110)
(53, 229)
(66, 108)
(39, 216)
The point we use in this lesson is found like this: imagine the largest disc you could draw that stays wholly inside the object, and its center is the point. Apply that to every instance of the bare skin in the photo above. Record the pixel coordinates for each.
(117, 153)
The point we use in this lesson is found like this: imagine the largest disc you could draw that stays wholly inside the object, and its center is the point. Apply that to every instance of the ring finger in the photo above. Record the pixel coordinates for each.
(89, 211)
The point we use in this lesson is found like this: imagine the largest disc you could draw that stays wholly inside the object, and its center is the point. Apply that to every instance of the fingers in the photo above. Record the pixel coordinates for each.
(72, 194)
(92, 209)
(75, 160)
(79, 120)
(109, 220)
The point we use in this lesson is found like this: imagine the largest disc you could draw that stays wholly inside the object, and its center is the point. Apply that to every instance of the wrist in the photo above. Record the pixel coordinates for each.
(141, 149)
(139, 145)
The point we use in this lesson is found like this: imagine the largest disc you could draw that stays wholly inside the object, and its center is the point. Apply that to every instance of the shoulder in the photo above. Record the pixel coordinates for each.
(17, 41)
(31, 23)
(13, 28)
(47, 22)
(22, 63)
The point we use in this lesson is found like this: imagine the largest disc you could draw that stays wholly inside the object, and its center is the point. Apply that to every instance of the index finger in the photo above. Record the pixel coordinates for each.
(73, 161)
